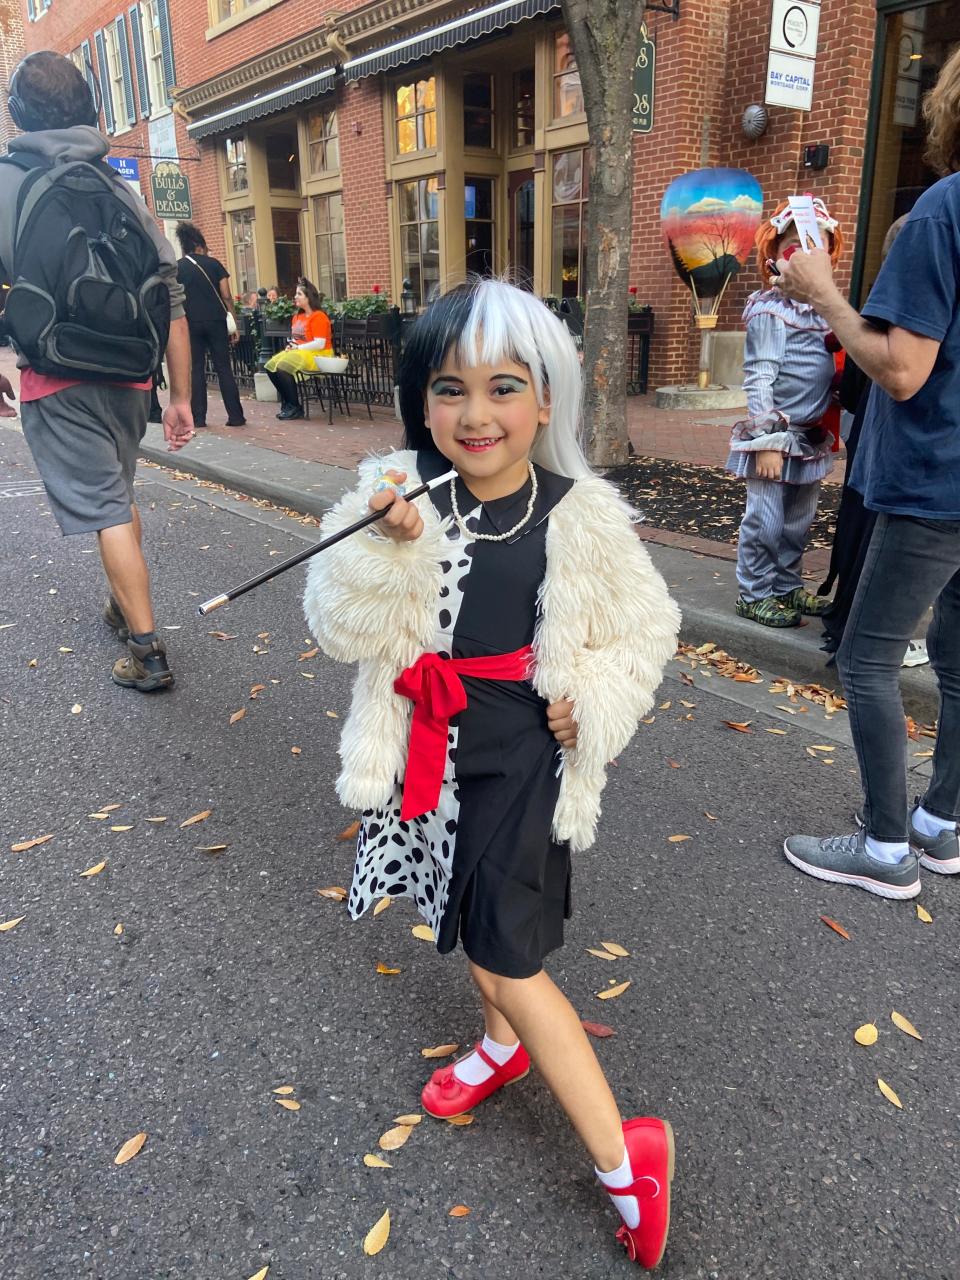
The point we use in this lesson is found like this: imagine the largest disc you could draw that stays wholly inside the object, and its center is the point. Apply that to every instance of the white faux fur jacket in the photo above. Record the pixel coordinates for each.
(607, 628)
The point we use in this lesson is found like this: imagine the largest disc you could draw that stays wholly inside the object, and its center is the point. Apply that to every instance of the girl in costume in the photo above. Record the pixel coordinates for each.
(310, 336)
(512, 611)
(782, 449)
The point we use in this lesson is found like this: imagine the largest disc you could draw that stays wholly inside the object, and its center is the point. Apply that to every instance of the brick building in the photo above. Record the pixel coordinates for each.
(417, 139)
(11, 51)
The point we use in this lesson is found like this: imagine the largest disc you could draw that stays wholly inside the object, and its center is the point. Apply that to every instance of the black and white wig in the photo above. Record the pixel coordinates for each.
(485, 321)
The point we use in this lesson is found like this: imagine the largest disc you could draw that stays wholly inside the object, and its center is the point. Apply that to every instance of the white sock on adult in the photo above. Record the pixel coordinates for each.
(628, 1207)
(887, 851)
(928, 824)
(473, 1069)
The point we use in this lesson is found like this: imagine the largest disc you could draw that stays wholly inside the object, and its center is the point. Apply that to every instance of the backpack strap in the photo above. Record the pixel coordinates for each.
(25, 160)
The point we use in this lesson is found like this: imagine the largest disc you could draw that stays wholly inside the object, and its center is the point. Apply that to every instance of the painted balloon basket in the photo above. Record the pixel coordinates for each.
(710, 218)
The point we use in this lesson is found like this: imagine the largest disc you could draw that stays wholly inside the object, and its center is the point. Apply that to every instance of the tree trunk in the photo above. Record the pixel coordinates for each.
(605, 36)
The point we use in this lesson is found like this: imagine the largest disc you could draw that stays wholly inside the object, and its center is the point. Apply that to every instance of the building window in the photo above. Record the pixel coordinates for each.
(324, 141)
(569, 223)
(235, 154)
(524, 88)
(283, 160)
(331, 250)
(478, 111)
(420, 236)
(478, 205)
(286, 238)
(77, 58)
(567, 94)
(229, 8)
(115, 71)
(153, 52)
(416, 106)
(244, 256)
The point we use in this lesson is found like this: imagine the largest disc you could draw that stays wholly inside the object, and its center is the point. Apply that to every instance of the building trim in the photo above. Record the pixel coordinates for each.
(313, 86)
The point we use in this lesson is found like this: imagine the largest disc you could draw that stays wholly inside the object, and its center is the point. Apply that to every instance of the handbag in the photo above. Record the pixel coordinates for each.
(231, 322)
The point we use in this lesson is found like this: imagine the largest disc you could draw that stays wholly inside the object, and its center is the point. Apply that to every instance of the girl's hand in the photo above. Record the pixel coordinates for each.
(402, 522)
(561, 722)
(769, 464)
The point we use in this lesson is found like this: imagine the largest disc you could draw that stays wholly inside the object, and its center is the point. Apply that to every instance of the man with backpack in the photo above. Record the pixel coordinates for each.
(93, 303)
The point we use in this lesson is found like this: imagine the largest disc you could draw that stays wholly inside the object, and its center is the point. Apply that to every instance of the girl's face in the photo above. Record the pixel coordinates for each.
(300, 298)
(484, 420)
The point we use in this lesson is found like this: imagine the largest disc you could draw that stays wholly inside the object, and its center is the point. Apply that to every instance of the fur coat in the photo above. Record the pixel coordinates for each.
(605, 631)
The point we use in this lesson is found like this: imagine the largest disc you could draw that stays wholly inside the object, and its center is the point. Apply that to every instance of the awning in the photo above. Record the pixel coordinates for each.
(482, 23)
(264, 104)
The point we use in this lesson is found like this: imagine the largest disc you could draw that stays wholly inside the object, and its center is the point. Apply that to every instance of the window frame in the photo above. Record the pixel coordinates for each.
(491, 80)
(491, 222)
(419, 223)
(418, 115)
(556, 285)
(156, 79)
(323, 142)
(559, 74)
(111, 40)
(247, 217)
(324, 252)
(235, 165)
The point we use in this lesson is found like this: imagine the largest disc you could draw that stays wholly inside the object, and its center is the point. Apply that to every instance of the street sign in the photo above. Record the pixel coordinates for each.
(789, 81)
(171, 191)
(128, 168)
(644, 74)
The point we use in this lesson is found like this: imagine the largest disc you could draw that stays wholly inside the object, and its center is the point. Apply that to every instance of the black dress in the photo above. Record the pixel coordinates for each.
(482, 866)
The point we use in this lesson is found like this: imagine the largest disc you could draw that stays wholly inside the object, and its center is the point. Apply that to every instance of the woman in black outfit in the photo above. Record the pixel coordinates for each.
(206, 282)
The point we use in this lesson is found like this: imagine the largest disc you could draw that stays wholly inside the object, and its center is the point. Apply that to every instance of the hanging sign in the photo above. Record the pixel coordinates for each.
(171, 191)
(791, 61)
(643, 80)
(794, 27)
(789, 81)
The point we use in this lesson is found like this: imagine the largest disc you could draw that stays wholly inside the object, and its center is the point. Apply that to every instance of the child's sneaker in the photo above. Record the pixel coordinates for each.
(649, 1144)
(940, 853)
(769, 613)
(445, 1096)
(806, 602)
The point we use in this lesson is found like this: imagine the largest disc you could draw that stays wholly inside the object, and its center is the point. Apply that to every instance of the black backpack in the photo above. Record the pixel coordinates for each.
(87, 299)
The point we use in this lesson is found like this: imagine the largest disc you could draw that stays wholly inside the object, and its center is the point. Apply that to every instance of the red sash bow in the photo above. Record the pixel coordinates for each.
(434, 686)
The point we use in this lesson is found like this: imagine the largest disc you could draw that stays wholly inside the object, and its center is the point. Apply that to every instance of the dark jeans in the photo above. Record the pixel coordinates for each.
(213, 338)
(911, 565)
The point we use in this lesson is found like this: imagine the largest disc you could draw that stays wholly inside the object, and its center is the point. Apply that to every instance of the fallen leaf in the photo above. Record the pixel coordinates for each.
(688, 705)
(11, 924)
(99, 817)
(377, 1236)
(95, 870)
(616, 949)
(612, 992)
(678, 839)
(118, 930)
(130, 1148)
(212, 848)
(837, 928)
(412, 1119)
(295, 751)
(76, 709)
(459, 1121)
(597, 1029)
(333, 891)
(458, 1211)
(381, 906)
(311, 653)
(308, 675)
(888, 1093)
(374, 1162)
(740, 726)
(819, 746)
(284, 1090)
(601, 955)
(349, 833)
(287, 1103)
(63, 649)
(711, 816)
(905, 1025)
(674, 764)
(109, 808)
(32, 662)
(197, 817)
(424, 932)
(924, 915)
(130, 828)
(263, 635)
(262, 1273)
(780, 732)
(665, 706)
(238, 715)
(439, 1051)
(30, 844)
(867, 1034)
(256, 688)
(383, 968)
(332, 715)
(394, 1139)
(155, 819)
(220, 635)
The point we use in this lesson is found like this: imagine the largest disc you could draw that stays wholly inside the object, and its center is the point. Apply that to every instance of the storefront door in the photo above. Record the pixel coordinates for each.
(520, 246)
(286, 236)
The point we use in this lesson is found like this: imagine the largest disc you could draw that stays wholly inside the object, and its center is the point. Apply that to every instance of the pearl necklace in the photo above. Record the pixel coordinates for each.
(493, 537)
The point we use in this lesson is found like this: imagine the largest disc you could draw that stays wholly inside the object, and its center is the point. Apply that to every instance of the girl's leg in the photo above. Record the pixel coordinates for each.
(761, 531)
(551, 1032)
(496, 1025)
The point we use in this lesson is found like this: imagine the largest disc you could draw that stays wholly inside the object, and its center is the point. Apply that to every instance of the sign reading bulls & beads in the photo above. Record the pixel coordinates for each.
(171, 191)
(643, 77)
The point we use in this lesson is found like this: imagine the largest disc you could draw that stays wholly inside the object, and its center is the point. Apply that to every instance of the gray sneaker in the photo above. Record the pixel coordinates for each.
(937, 853)
(844, 860)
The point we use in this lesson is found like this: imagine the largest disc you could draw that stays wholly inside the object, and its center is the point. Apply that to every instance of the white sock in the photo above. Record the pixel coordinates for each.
(628, 1207)
(473, 1069)
(887, 851)
(928, 824)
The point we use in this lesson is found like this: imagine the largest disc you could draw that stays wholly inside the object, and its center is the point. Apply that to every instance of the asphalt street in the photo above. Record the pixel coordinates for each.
(232, 977)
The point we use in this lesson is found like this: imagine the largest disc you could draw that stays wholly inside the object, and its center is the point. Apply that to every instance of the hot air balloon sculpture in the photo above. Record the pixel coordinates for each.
(709, 219)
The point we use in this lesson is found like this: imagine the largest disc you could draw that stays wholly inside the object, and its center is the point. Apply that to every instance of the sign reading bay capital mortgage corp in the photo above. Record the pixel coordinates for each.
(171, 191)
(643, 79)
(791, 62)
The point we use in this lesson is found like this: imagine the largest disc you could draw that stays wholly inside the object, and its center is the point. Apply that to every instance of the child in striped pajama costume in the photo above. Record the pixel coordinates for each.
(781, 449)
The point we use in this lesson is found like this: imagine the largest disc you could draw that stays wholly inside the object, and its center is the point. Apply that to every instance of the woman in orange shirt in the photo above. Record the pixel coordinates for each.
(310, 336)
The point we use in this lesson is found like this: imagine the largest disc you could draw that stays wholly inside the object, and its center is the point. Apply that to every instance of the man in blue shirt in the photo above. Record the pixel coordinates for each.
(908, 470)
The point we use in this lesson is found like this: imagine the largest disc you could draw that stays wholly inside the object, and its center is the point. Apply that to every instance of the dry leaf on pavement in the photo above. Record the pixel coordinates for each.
(238, 715)
(411, 1120)
(924, 915)
(130, 1148)
(905, 1025)
(154, 819)
(837, 928)
(460, 1121)
(109, 808)
(616, 949)
(678, 839)
(30, 844)
(394, 1138)
(310, 653)
(381, 906)
(295, 751)
(76, 709)
(601, 955)
(374, 1162)
(867, 1034)
(197, 817)
(256, 688)
(439, 1051)
(333, 891)
(458, 1211)
(711, 816)
(11, 924)
(348, 833)
(597, 1029)
(128, 828)
(94, 870)
(888, 1093)
(384, 968)
(284, 1090)
(740, 726)
(287, 1103)
(261, 1274)
(424, 932)
(611, 993)
(377, 1236)
(118, 930)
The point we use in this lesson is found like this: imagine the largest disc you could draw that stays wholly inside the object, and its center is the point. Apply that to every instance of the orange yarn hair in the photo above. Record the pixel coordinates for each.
(766, 241)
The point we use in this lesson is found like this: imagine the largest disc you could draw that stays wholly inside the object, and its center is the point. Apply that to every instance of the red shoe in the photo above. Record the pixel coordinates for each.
(444, 1096)
(649, 1143)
